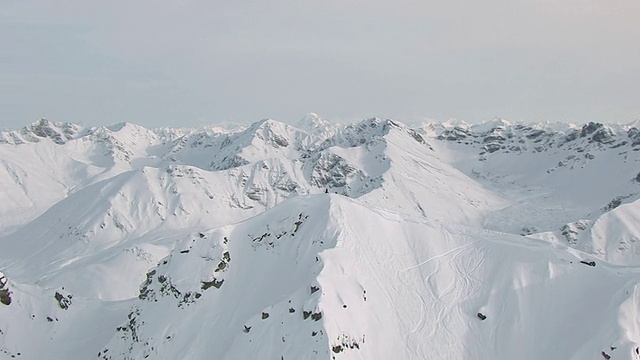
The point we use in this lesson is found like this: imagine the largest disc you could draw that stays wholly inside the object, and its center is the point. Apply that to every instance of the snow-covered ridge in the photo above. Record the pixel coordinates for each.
(501, 135)
(368, 132)
(320, 241)
(323, 277)
(57, 132)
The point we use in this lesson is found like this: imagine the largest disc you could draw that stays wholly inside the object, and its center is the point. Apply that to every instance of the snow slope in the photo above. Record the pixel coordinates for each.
(457, 241)
(324, 276)
(559, 179)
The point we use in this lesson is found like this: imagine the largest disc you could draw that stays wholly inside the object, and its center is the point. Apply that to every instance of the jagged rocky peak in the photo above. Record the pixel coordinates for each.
(204, 139)
(370, 131)
(51, 129)
(501, 135)
(612, 136)
(493, 131)
(597, 132)
(634, 135)
(57, 132)
(262, 140)
(271, 132)
(374, 123)
(183, 145)
(334, 172)
(118, 142)
(455, 134)
(364, 132)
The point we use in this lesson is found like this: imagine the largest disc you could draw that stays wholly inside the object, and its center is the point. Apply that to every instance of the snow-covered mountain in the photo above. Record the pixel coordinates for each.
(574, 185)
(372, 240)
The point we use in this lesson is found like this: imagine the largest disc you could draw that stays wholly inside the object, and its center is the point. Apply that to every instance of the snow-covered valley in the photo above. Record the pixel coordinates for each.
(374, 240)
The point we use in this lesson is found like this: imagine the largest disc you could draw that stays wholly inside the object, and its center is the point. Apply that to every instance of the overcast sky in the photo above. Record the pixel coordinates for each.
(189, 63)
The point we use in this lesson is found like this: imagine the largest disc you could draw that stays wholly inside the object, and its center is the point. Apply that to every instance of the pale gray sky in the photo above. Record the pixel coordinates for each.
(191, 62)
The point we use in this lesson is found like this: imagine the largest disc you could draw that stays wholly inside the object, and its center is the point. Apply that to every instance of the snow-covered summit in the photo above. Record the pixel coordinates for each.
(57, 132)
(315, 125)
(370, 132)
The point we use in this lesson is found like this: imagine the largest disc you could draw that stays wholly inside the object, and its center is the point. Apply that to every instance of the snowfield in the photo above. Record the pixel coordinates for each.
(373, 240)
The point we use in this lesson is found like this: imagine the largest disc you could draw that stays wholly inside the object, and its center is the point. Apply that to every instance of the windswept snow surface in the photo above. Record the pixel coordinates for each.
(366, 241)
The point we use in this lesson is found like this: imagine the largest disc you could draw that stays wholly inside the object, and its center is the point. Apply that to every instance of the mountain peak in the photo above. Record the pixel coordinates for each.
(57, 132)
(125, 126)
(312, 122)
(275, 133)
(315, 125)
